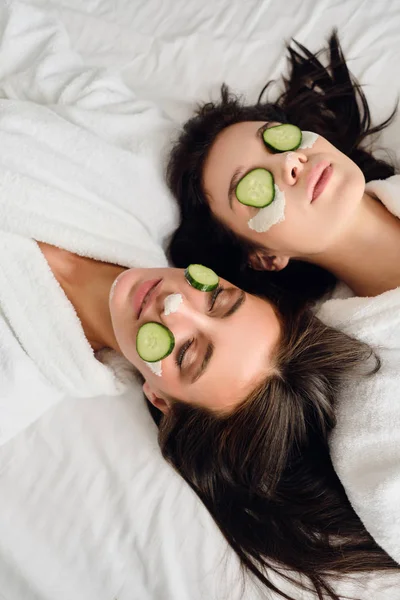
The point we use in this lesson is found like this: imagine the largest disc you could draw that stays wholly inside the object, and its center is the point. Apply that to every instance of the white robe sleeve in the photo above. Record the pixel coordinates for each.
(388, 192)
(365, 444)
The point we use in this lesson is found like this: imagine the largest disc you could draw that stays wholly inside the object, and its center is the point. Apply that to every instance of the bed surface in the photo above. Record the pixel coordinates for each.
(88, 508)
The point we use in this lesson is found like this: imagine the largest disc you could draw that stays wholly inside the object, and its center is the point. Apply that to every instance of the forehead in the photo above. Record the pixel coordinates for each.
(236, 134)
(235, 147)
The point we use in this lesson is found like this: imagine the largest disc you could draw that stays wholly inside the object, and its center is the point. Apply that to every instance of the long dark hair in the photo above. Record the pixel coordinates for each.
(264, 471)
(325, 100)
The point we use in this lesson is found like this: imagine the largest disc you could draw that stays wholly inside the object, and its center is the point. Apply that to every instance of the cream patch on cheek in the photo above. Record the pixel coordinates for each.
(269, 215)
(112, 290)
(172, 303)
(308, 139)
(155, 367)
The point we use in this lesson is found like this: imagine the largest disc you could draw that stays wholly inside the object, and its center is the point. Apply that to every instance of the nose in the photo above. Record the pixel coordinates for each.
(291, 166)
(187, 317)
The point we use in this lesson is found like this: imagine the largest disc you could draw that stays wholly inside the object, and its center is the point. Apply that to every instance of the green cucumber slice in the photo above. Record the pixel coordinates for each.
(154, 342)
(256, 188)
(282, 138)
(201, 278)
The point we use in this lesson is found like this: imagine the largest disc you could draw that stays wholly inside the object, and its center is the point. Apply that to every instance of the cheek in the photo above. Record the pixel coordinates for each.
(270, 215)
(161, 376)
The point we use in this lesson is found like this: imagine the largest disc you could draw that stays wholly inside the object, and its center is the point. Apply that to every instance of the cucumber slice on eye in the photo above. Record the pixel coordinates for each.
(256, 188)
(201, 278)
(154, 342)
(282, 138)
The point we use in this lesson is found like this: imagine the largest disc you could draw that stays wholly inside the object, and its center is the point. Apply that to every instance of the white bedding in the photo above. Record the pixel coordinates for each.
(88, 509)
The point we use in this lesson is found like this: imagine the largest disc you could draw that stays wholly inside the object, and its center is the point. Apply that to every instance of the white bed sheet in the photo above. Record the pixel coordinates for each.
(179, 51)
(88, 509)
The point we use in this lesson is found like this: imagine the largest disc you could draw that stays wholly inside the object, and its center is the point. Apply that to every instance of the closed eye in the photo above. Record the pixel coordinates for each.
(233, 298)
(182, 351)
(214, 295)
(185, 347)
(226, 301)
(236, 177)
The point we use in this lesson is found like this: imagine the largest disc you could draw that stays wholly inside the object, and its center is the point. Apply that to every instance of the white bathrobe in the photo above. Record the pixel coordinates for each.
(81, 167)
(365, 443)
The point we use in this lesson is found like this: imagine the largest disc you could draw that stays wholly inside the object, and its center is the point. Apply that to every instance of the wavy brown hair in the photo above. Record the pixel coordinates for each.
(326, 100)
(264, 471)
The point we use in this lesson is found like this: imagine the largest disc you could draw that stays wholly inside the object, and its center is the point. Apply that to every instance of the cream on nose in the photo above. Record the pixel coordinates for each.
(290, 157)
(172, 304)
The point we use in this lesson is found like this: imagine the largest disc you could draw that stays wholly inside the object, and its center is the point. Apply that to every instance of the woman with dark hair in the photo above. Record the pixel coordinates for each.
(330, 219)
(286, 220)
(254, 447)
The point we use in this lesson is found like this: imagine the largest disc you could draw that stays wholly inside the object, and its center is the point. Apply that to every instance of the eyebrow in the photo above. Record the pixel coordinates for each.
(236, 177)
(210, 347)
(261, 129)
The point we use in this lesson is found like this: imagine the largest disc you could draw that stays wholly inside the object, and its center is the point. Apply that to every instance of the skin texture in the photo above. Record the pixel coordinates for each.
(335, 231)
(270, 215)
(243, 342)
(308, 228)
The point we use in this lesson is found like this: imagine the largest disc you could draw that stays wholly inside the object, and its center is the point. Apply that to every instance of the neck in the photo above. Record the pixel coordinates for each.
(367, 256)
(89, 293)
(87, 285)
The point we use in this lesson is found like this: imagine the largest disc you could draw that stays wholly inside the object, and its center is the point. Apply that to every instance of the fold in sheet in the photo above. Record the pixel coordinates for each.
(82, 168)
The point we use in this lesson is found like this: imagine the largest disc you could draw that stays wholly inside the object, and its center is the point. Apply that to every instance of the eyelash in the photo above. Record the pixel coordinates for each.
(182, 352)
(218, 290)
(185, 347)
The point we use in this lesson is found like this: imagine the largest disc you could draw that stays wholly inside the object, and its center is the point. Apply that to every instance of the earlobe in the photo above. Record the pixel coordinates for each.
(279, 262)
(160, 403)
(259, 260)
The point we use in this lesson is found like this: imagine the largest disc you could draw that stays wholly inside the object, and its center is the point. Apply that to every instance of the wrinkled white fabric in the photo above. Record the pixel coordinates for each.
(89, 510)
(81, 167)
(365, 443)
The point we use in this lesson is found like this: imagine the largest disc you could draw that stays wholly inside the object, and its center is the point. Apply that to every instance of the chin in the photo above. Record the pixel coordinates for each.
(352, 190)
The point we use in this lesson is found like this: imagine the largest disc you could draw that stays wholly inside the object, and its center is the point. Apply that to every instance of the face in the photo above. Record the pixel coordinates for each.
(224, 342)
(314, 216)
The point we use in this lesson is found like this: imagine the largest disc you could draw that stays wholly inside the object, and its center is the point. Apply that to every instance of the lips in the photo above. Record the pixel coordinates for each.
(317, 179)
(143, 295)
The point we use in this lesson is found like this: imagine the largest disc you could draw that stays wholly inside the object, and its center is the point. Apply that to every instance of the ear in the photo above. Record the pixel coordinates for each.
(160, 403)
(260, 260)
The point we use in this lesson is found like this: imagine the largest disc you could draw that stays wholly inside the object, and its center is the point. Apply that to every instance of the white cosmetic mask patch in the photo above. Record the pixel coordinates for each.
(269, 215)
(112, 290)
(308, 139)
(155, 367)
(172, 303)
(290, 156)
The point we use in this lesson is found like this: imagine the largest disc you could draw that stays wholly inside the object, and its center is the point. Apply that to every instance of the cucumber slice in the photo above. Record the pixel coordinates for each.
(282, 138)
(154, 342)
(256, 188)
(201, 278)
